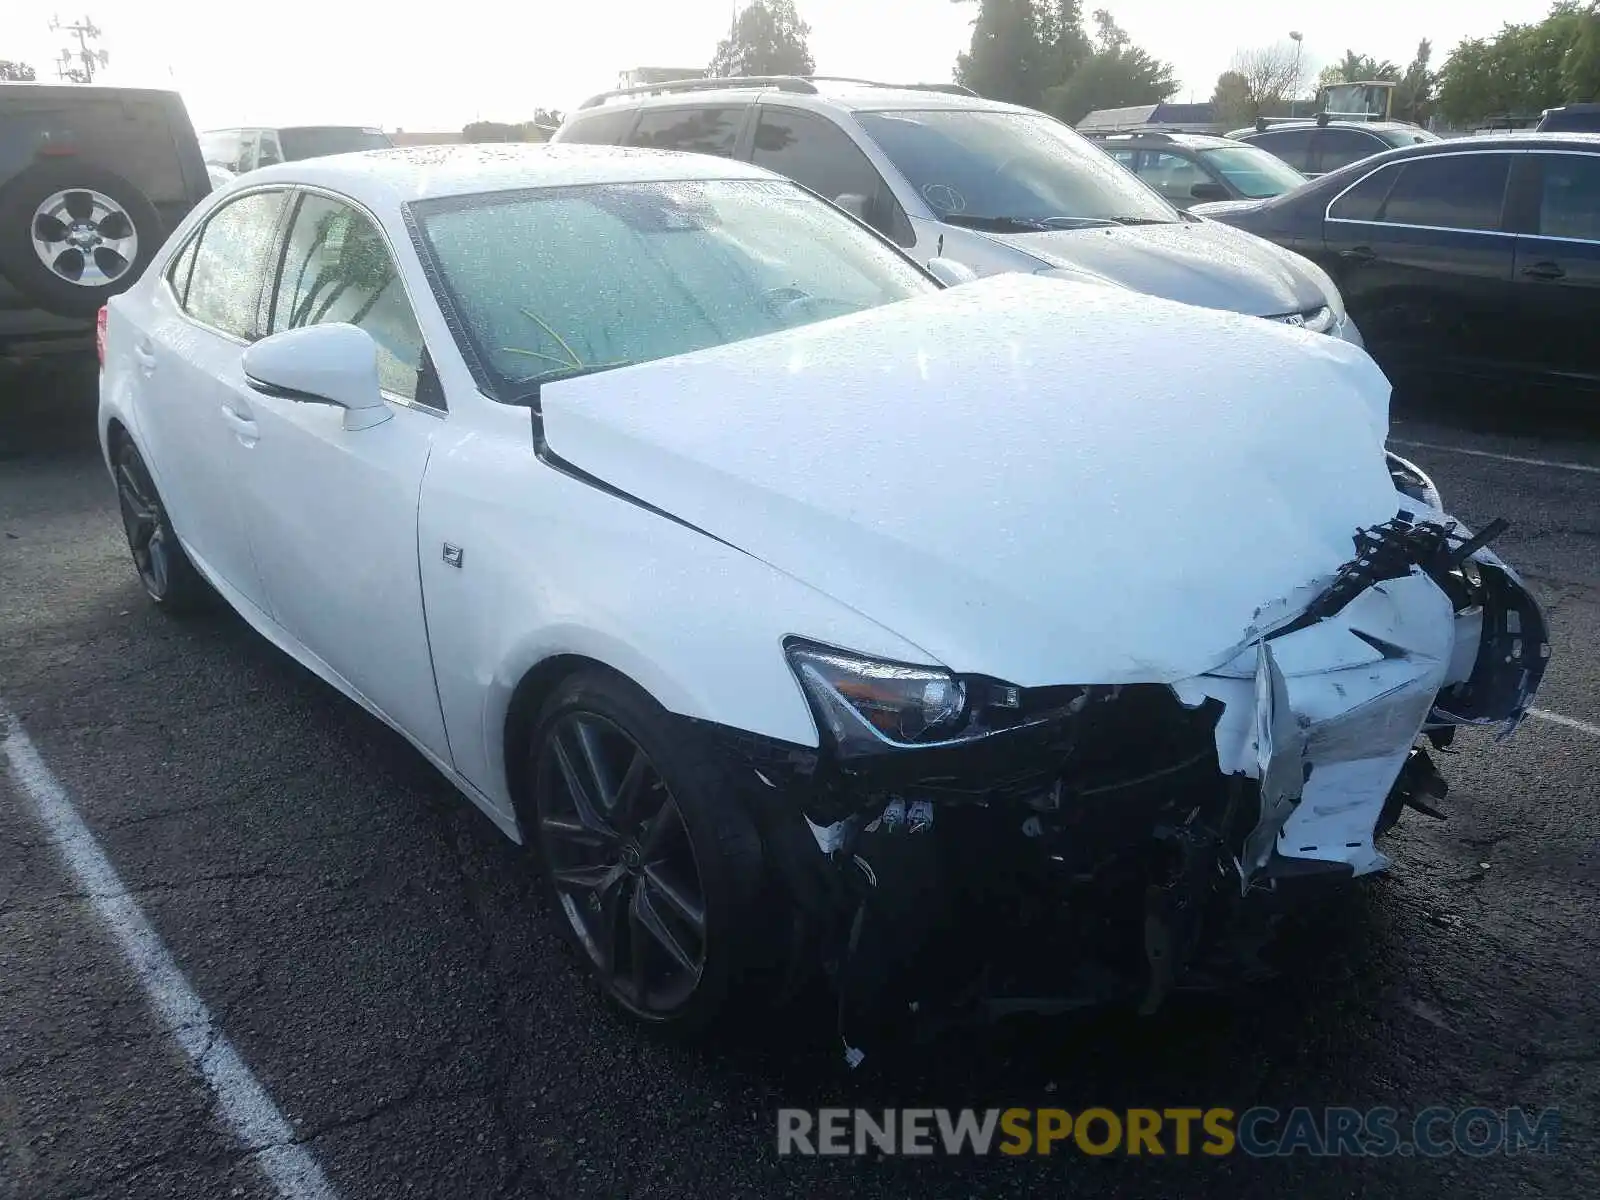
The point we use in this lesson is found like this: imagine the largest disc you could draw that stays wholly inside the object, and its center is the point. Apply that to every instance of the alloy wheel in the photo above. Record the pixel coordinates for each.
(84, 237)
(146, 526)
(622, 864)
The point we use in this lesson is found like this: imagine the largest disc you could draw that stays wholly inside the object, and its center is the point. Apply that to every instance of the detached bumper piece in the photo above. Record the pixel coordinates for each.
(1142, 839)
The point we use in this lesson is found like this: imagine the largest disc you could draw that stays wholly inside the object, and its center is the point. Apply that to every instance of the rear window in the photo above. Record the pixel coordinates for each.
(603, 127)
(316, 141)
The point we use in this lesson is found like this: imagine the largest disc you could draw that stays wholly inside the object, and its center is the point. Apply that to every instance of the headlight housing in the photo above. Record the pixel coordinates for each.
(1411, 480)
(868, 705)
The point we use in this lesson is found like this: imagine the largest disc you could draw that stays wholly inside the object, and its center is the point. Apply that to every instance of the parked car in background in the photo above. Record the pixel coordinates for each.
(241, 150)
(1571, 118)
(1316, 146)
(92, 180)
(944, 173)
(1474, 257)
(961, 643)
(1193, 168)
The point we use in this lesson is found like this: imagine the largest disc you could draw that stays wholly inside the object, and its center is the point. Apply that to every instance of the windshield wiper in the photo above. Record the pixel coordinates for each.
(993, 224)
(556, 375)
(1143, 221)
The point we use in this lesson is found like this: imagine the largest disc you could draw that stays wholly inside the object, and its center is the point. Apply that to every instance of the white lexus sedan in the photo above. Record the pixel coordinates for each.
(1018, 639)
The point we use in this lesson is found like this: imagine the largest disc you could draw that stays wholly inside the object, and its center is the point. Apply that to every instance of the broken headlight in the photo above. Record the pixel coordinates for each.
(1411, 480)
(870, 705)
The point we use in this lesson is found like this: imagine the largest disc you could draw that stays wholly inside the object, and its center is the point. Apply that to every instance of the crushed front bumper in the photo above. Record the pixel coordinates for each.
(1143, 838)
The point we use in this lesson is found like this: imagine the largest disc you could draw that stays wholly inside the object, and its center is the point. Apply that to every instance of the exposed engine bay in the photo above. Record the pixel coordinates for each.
(1103, 844)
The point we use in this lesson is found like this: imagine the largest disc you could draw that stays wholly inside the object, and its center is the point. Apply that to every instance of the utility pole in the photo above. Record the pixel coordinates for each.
(1298, 39)
(87, 58)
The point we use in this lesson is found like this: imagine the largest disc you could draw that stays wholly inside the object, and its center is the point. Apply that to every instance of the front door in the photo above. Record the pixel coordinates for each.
(334, 511)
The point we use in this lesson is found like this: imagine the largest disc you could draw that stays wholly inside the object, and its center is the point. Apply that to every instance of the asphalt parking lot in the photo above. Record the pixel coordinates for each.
(381, 962)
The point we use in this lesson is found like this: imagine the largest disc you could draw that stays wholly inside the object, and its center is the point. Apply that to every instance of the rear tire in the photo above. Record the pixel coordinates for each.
(164, 568)
(651, 863)
(73, 235)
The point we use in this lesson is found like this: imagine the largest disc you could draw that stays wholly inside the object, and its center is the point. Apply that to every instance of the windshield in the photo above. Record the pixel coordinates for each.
(568, 281)
(1011, 171)
(315, 141)
(1253, 172)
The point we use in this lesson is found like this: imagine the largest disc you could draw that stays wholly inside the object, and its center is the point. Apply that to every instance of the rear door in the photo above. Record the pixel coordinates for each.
(187, 349)
(1556, 213)
(1420, 250)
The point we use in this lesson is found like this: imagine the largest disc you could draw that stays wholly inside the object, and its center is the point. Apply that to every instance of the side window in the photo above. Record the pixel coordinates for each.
(233, 262)
(602, 127)
(221, 148)
(337, 267)
(817, 154)
(268, 152)
(1365, 201)
(696, 130)
(1291, 145)
(1337, 148)
(1458, 191)
(182, 266)
(1569, 202)
(1170, 174)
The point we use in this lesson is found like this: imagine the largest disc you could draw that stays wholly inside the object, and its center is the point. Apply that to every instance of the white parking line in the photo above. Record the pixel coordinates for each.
(1515, 458)
(254, 1117)
(1568, 722)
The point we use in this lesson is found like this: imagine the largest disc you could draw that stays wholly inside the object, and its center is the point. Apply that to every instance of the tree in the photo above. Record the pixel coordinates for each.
(1520, 71)
(1231, 101)
(1580, 69)
(768, 38)
(1413, 99)
(1007, 61)
(1271, 76)
(1117, 74)
(16, 72)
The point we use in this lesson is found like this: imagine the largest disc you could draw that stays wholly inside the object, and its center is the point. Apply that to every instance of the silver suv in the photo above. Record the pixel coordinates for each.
(946, 174)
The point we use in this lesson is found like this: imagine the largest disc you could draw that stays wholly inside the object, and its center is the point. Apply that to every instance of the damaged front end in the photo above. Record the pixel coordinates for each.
(962, 847)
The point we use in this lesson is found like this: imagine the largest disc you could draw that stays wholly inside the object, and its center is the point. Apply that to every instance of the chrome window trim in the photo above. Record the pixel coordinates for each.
(1327, 212)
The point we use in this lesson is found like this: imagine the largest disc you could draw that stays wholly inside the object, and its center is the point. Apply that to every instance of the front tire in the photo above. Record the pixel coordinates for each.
(165, 570)
(651, 863)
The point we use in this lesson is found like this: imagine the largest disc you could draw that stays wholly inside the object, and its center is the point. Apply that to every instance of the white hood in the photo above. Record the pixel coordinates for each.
(1042, 481)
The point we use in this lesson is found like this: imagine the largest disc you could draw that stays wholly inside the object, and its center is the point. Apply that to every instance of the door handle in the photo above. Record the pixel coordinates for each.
(243, 424)
(1544, 270)
(1358, 254)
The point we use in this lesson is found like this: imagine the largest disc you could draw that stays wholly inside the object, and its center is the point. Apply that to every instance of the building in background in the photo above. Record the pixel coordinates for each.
(645, 76)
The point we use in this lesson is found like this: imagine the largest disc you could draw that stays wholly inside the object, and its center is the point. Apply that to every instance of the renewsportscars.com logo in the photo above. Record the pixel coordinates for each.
(1256, 1132)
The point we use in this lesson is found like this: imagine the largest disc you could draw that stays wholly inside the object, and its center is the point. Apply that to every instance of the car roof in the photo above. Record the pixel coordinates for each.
(1312, 122)
(841, 95)
(1523, 140)
(388, 178)
(1194, 141)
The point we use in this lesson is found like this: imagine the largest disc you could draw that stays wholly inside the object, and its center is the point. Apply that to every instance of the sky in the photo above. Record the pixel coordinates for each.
(435, 67)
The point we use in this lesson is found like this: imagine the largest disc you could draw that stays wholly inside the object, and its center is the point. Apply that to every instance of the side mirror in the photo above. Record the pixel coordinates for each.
(321, 364)
(950, 272)
(1207, 189)
(853, 203)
